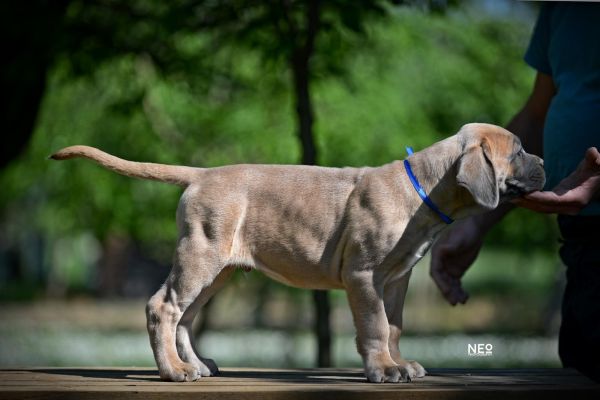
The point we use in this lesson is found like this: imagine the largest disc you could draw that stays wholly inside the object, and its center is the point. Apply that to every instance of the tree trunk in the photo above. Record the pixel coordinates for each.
(300, 65)
(304, 110)
(29, 32)
(112, 266)
(322, 327)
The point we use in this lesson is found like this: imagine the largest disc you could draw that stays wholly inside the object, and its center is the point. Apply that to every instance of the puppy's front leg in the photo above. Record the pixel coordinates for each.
(372, 330)
(394, 295)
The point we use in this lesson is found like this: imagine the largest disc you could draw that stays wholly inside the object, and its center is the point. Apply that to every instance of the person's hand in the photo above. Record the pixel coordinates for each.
(452, 255)
(573, 193)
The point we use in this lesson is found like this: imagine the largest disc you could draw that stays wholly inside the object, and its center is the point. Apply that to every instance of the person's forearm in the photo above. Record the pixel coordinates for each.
(487, 220)
(528, 123)
(529, 129)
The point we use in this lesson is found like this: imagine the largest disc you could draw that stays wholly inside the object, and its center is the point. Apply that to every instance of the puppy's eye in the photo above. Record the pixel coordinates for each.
(518, 156)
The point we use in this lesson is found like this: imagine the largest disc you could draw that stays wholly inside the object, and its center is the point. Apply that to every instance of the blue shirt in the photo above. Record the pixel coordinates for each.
(565, 44)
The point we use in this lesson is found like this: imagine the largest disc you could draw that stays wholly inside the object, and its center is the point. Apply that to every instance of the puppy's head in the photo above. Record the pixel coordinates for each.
(494, 167)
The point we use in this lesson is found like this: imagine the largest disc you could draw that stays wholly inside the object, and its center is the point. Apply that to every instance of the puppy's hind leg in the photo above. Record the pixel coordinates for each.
(185, 340)
(195, 268)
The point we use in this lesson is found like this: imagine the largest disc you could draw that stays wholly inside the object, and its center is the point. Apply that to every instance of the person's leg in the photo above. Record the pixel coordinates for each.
(579, 337)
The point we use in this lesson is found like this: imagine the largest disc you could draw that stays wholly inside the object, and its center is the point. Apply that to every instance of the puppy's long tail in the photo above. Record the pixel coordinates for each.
(177, 175)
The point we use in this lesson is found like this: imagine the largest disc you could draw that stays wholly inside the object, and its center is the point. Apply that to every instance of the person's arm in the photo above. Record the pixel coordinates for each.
(457, 249)
(528, 124)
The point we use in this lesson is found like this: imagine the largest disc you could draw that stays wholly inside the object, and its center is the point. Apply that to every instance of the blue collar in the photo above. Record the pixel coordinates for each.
(421, 191)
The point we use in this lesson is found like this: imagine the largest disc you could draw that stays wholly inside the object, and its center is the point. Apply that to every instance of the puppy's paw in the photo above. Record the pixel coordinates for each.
(392, 374)
(183, 372)
(209, 367)
(413, 368)
(420, 371)
(204, 366)
(382, 368)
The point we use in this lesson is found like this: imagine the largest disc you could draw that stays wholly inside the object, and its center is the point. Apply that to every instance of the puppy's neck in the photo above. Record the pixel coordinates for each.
(436, 168)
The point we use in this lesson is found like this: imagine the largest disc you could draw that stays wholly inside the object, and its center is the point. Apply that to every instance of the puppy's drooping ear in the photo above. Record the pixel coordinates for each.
(477, 174)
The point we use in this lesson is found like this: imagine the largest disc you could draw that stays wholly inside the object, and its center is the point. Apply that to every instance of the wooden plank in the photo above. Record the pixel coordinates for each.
(247, 384)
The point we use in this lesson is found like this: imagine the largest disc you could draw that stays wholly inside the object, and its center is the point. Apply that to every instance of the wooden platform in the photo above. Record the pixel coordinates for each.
(319, 384)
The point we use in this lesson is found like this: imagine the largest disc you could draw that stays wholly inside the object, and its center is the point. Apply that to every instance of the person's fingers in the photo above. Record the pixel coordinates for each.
(441, 278)
(458, 295)
(464, 296)
(451, 256)
(592, 157)
(546, 197)
(445, 284)
(548, 202)
(450, 286)
(452, 298)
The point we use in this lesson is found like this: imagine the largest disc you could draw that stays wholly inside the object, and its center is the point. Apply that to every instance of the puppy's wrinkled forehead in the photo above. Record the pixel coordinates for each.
(499, 144)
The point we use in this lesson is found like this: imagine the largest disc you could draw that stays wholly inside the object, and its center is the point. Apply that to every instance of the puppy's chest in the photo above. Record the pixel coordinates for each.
(404, 257)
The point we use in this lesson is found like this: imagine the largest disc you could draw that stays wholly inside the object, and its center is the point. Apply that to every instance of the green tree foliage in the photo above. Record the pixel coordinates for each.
(419, 77)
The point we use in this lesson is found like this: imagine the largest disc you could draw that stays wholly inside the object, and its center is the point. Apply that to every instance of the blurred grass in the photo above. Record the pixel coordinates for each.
(85, 331)
(264, 348)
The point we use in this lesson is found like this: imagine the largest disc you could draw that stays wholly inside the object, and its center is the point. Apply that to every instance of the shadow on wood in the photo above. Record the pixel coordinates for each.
(144, 383)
